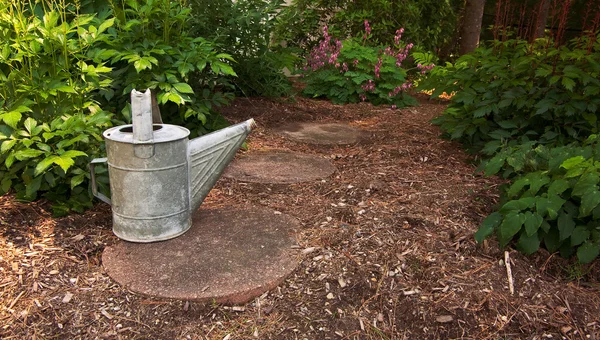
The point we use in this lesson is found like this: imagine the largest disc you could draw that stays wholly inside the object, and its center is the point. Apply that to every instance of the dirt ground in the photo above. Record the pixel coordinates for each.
(387, 244)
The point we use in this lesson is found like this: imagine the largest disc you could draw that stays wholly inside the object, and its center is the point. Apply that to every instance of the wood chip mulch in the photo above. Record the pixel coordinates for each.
(386, 242)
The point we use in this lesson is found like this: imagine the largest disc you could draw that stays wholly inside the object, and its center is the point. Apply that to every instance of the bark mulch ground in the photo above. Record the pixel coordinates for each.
(386, 241)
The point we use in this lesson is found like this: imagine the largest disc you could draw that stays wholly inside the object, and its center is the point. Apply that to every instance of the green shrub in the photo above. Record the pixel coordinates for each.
(351, 71)
(50, 72)
(531, 111)
(64, 75)
(556, 203)
(152, 50)
(243, 29)
(519, 91)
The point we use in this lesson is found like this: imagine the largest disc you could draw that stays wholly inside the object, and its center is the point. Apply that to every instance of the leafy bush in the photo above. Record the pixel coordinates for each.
(531, 111)
(519, 91)
(428, 23)
(50, 73)
(151, 50)
(243, 29)
(350, 71)
(64, 74)
(557, 204)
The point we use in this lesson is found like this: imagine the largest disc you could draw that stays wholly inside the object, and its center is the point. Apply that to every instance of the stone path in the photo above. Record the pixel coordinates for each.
(320, 133)
(230, 255)
(279, 167)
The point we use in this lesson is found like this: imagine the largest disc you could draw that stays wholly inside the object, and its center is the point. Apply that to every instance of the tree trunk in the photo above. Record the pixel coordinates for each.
(542, 17)
(471, 28)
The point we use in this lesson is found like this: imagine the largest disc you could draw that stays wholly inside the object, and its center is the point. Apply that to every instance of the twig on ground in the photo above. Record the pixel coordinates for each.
(511, 285)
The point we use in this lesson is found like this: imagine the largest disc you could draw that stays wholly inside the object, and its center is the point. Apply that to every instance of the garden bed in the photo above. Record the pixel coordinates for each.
(387, 244)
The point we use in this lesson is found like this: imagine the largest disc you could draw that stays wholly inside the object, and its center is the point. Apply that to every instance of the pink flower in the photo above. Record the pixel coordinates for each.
(378, 67)
(393, 106)
(398, 36)
(369, 86)
(367, 28)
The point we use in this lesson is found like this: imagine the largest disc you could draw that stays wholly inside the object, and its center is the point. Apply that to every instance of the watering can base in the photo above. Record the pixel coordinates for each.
(154, 231)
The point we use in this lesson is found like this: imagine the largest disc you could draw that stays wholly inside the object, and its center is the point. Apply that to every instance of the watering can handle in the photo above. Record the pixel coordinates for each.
(95, 191)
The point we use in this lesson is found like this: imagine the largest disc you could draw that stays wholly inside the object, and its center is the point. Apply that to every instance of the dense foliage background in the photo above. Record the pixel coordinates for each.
(431, 25)
(531, 111)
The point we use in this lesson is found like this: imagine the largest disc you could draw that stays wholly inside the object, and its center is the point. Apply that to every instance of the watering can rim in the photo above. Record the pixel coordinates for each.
(164, 134)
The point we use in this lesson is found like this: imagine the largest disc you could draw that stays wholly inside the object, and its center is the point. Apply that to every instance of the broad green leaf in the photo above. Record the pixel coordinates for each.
(482, 111)
(511, 225)
(517, 161)
(589, 201)
(518, 205)
(73, 154)
(7, 145)
(30, 124)
(76, 180)
(505, 102)
(175, 98)
(10, 159)
(487, 226)
(565, 225)
(183, 88)
(572, 162)
(5, 184)
(27, 153)
(44, 164)
(528, 244)
(106, 24)
(142, 64)
(545, 226)
(50, 179)
(551, 240)
(43, 147)
(12, 118)
(66, 89)
(5, 132)
(491, 147)
(558, 186)
(579, 235)
(549, 206)
(517, 186)
(64, 162)
(585, 183)
(543, 71)
(494, 165)
(532, 223)
(536, 182)
(588, 251)
(568, 83)
(508, 124)
(32, 187)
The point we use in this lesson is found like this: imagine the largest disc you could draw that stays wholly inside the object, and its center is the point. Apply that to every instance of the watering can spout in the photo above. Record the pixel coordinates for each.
(209, 155)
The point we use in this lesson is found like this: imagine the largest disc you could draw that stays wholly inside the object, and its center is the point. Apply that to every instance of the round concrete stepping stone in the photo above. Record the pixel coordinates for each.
(320, 133)
(279, 167)
(227, 256)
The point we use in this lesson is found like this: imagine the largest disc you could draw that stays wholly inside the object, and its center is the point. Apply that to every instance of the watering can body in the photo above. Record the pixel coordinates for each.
(158, 177)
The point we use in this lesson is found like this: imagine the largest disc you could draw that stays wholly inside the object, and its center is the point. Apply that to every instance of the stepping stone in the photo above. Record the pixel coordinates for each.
(229, 256)
(279, 167)
(320, 133)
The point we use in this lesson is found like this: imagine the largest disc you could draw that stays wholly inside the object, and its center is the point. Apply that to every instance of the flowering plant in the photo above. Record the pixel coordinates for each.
(350, 71)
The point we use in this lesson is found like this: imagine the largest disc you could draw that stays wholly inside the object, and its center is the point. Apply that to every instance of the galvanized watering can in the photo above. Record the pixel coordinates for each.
(158, 177)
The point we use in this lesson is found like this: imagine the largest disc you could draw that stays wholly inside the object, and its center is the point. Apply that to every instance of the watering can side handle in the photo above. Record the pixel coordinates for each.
(95, 191)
